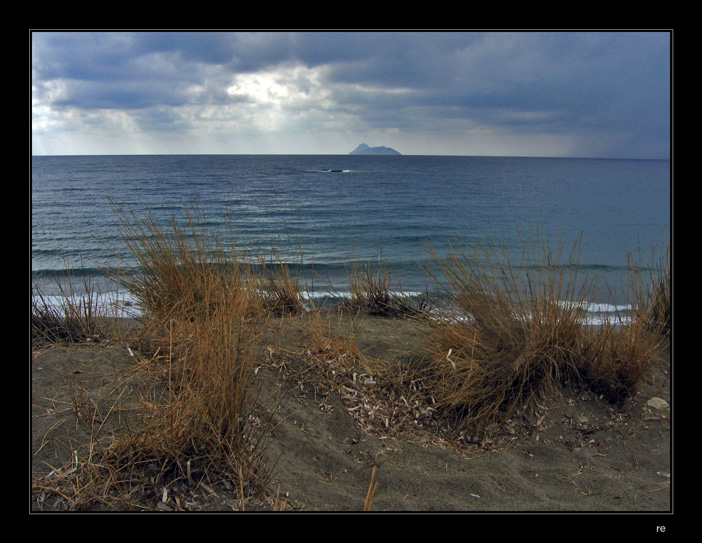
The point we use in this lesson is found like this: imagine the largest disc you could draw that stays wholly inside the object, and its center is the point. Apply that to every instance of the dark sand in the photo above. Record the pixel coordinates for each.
(582, 455)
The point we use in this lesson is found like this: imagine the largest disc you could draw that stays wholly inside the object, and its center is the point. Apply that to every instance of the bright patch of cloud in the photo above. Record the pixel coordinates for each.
(175, 92)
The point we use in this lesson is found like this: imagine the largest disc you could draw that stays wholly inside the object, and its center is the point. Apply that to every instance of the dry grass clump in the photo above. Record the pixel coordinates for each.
(211, 313)
(177, 269)
(70, 317)
(518, 334)
(279, 287)
(653, 292)
(203, 316)
(618, 357)
(333, 347)
(615, 359)
(661, 309)
(511, 340)
(204, 429)
(372, 292)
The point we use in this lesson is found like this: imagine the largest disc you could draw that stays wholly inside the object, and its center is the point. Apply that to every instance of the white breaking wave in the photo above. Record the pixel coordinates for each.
(111, 304)
(598, 313)
(594, 313)
(123, 304)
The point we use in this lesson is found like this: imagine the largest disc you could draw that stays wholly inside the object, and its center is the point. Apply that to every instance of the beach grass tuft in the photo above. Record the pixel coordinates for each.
(204, 314)
(72, 316)
(516, 334)
(371, 291)
(279, 286)
(618, 357)
(508, 340)
(653, 290)
(204, 429)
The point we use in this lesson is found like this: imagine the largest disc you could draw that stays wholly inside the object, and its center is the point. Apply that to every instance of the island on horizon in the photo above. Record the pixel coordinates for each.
(364, 149)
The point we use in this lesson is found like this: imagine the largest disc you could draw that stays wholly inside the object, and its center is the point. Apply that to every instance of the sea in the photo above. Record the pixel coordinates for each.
(325, 215)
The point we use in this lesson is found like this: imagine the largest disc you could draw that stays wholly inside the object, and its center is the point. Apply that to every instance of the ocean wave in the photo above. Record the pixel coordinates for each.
(122, 304)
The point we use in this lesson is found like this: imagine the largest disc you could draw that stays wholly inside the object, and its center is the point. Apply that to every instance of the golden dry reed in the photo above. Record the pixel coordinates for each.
(516, 333)
(203, 314)
(372, 291)
(73, 319)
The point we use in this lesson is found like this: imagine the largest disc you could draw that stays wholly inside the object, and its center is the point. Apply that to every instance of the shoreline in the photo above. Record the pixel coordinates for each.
(123, 305)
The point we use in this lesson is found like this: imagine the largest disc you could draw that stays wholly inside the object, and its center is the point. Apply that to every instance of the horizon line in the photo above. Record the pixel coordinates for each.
(343, 154)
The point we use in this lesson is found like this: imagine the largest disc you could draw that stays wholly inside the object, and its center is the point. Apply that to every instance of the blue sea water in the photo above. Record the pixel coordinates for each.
(326, 212)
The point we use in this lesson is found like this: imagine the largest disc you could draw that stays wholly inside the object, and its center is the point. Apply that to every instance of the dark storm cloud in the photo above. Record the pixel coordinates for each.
(616, 81)
(462, 69)
(596, 79)
(530, 81)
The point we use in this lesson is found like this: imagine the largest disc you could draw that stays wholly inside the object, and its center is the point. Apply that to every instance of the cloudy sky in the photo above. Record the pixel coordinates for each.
(586, 94)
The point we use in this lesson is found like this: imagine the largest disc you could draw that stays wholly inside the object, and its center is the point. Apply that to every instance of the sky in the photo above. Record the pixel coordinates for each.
(551, 94)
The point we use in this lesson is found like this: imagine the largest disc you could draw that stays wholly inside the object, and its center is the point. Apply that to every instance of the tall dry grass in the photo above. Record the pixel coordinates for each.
(279, 285)
(510, 340)
(204, 314)
(72, 316)
(205, 428)
(177, 268)
(618, 358)
(517, 334)
(372, 291)
(653, 289)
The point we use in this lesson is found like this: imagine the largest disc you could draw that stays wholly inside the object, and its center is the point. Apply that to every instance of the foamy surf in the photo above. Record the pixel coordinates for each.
(593, 313)
(598, 313)
(123, 304)
(111, 304)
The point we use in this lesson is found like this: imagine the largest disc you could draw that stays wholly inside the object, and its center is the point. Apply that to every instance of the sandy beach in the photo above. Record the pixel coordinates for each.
(580, 455)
